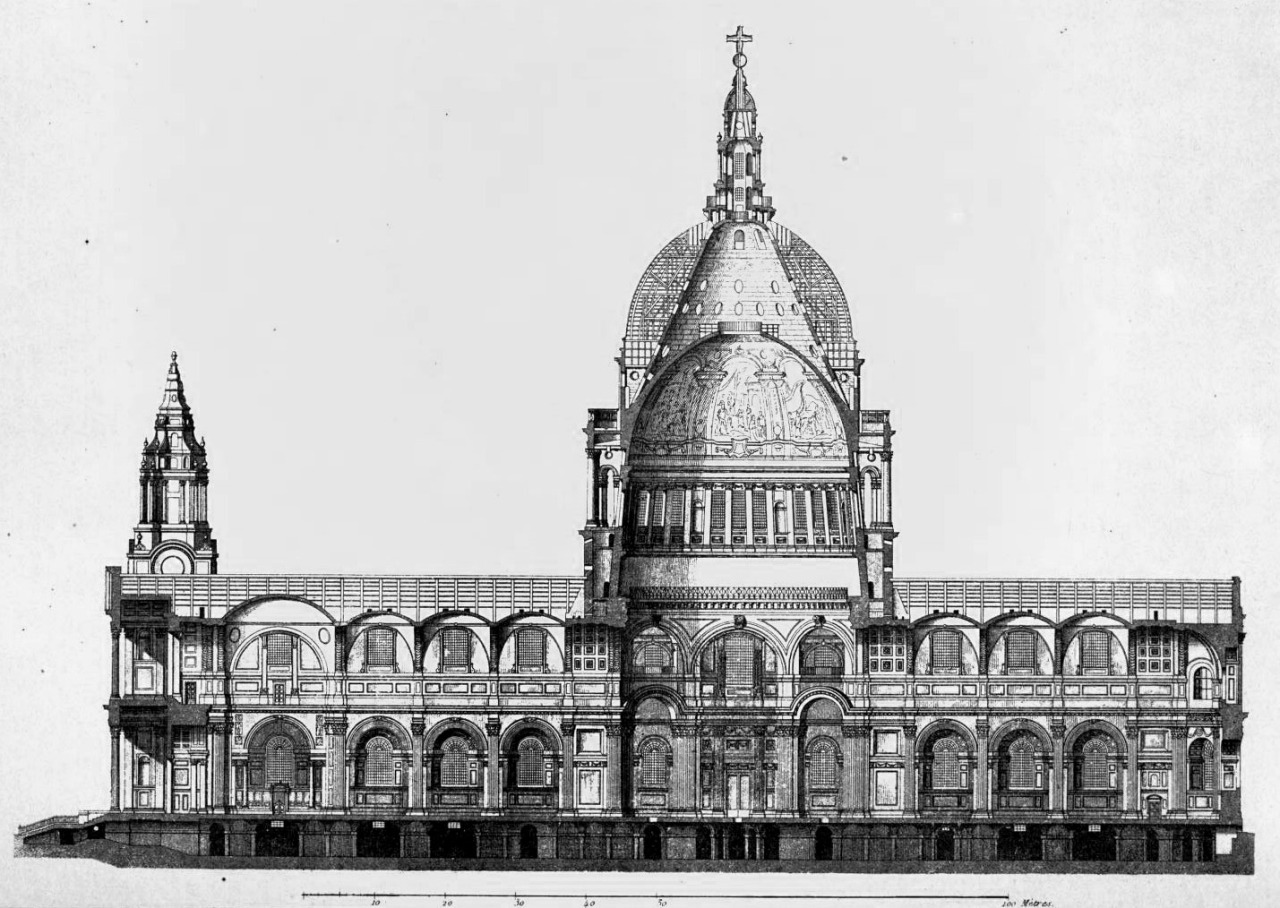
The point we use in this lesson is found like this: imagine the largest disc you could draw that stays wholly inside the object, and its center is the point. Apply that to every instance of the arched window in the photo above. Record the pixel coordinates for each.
(654, 768)
(653, 653)
(1200, 758)
(379, 763)
(279, 760)
(739, 238)
(531, 650)
(455, 759)
(872, 497)
(945, 763)
(143, 777)
(1202, 684)
(822, 764)
(822, 655)
(1022, 764)
(1095, 762)
(529, 757)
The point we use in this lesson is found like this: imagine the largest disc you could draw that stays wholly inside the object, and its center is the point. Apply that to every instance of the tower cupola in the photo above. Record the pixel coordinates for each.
(173, 535)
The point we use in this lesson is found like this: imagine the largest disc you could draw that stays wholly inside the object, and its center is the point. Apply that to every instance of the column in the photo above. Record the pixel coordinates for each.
(1058, 781)
(613, 759)
(684, 770)
(1179, 787)
(218, 764)
(115, 662)
(909, 781)
(567, 745)
(858, 738)
(418, 727)
(493, 773)
(982, 771)
(788, 778)
(1132, 783)
(115, 768)
(335, 762)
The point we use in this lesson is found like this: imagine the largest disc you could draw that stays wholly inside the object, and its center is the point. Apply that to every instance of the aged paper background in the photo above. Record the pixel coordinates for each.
(394, 245)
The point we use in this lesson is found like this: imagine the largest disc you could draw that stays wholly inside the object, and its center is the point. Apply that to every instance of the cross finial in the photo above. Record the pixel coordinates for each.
(738, 39)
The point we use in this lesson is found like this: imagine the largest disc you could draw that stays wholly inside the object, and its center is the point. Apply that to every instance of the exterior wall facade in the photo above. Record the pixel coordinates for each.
(737, 675)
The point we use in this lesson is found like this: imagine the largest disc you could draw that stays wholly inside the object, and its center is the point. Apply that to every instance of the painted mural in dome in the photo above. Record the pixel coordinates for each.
(740, 399)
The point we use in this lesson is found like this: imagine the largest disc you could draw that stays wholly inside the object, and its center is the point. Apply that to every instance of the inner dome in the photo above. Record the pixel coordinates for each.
(740, 396)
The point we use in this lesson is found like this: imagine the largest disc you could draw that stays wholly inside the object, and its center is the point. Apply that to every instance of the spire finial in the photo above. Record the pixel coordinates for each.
(737, 39)
(173, 357)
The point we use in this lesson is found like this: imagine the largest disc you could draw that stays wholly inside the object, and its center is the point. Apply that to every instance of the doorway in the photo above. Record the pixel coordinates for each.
(944, 845)
(217, 840)
(822, 848)
(1153, 845)
(702, 844)
(736, 843)
(772, 840)
(653, 842)
(739, 791)
(528, 841)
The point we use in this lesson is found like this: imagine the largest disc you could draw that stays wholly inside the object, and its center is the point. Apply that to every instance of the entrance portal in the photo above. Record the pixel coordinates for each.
(378, 840)
(653, 842)
(276, 839)
(944, 845)
(822, 844)
(453, 840)
(1019, 845)
(528, 841)
(1093, 846)
(217, 840)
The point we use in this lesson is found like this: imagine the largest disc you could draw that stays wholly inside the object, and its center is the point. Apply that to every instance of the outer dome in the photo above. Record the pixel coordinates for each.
(740, 396)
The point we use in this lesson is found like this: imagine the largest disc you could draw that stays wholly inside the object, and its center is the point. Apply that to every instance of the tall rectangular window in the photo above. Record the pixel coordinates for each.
(833, 513)
(802, 515)
(657, 509)
(946, 652)
(455, 649)
(279, 651)
(1095, 651)
(739, 515)
(759, 513)
(717, 511)
(739, 662)
(1020, 651)
(819, 518)
(380, 649)
(531, 650)
(675, 514)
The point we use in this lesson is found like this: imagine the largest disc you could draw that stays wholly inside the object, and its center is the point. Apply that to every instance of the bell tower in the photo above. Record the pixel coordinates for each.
(173, 535)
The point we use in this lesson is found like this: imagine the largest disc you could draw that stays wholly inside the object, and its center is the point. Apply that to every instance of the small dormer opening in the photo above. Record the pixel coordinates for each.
(739, 238)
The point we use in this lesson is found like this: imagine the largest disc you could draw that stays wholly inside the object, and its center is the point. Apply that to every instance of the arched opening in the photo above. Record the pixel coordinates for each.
(528, 841)
(531, 775)
(1188, 843)
(279, 771)
(944, 845)
(822, 847)
(739, 666)
(739, 240)
(653, 653)
(945, 776)
(1095, 772)
(772, 842)
(1021, 779)
(1200, 765)
(821, 655)
(452, 840)
(1019, 844)
(653, 842)
(736, 843)
(217, 840)
(1153, 845)
(1208, 843)
(380, 775)
(1202, 684)
(98, 831)
(702, 844)
(1089, 844)
(276, 839)
(456, 775)
(377, 839)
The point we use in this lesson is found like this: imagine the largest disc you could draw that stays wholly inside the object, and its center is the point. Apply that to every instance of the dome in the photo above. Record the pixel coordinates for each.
(740, 394)
(809, 277)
